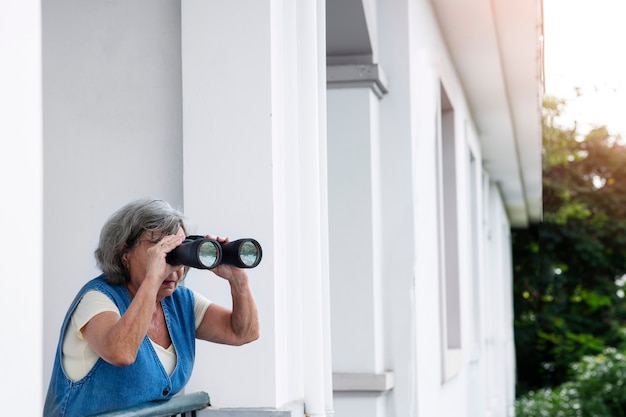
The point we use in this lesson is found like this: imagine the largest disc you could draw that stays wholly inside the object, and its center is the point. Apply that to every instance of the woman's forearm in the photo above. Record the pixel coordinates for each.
(244, 318)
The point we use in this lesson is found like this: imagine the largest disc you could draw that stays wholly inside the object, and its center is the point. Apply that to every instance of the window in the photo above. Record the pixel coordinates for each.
(450, 314)
(475, 178)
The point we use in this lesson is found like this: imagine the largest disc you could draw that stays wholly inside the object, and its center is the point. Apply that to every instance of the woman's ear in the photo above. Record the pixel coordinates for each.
(125, 256)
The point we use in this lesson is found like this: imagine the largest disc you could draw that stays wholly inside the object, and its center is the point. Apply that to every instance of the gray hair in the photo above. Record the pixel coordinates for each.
(124, 228)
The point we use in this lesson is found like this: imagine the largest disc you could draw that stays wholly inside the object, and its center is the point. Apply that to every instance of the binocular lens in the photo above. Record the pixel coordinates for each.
(208, 254)
(248, 253)
(242, 253)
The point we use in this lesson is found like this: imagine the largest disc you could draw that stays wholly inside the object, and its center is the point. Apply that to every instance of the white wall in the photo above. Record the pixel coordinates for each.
(112, 128)
(21, 211)
(499, 343)
(413, 54)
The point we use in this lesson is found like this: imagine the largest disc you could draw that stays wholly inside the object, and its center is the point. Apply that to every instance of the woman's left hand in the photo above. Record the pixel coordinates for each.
(239, 325)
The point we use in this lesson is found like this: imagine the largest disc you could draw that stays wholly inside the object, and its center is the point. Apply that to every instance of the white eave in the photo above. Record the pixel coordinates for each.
(497, 49)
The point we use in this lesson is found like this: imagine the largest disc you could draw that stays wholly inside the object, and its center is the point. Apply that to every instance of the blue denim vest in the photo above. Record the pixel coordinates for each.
(107, 387)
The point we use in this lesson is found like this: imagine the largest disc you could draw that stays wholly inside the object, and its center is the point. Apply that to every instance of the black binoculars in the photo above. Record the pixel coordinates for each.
(203, 253)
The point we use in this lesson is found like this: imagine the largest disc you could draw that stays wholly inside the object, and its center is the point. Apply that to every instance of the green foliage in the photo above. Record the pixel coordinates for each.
(563, 401)
(567, 304)
(596, 389)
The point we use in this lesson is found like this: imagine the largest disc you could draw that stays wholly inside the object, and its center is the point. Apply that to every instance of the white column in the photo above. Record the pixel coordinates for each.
(227, 180)
(313, 204)
(254, 166)
(354, 233)
(21, 211)
(356, 248)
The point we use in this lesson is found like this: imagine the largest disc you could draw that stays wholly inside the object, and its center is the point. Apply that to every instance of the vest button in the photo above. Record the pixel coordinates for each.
(165, 392)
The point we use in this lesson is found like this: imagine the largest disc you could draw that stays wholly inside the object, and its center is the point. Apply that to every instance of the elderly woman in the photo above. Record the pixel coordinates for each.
(129, 336)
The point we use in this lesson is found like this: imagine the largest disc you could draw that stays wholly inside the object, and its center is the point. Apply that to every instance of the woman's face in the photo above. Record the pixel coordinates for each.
(145, 254)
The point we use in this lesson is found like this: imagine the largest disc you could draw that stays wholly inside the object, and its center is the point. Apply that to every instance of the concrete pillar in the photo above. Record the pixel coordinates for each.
(254, 146)
(355, 240)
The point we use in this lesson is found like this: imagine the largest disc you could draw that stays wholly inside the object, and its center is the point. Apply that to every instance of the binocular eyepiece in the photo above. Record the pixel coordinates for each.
(203, 253)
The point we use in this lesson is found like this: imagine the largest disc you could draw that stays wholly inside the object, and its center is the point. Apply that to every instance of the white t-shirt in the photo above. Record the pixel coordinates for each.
(78, 357)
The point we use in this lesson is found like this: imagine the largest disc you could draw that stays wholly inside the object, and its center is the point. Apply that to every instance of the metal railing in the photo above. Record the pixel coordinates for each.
(184, 405)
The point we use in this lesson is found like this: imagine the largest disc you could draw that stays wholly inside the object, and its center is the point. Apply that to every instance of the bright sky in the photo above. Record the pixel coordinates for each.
(585, 47)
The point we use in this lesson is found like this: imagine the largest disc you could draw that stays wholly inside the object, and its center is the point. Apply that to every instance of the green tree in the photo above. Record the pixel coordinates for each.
(568, 269)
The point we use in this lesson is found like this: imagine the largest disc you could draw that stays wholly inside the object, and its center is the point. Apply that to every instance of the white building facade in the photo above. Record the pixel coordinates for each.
(380, 151)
